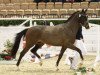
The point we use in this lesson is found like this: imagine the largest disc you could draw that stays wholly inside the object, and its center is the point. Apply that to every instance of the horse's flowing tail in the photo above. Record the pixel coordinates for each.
(17, 42)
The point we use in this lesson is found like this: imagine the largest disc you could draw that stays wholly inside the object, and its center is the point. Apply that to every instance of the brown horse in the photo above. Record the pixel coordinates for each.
(60, 35)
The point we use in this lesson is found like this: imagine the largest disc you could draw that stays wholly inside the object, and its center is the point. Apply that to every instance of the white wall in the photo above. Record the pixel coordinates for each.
(92, 37)
(8, 33)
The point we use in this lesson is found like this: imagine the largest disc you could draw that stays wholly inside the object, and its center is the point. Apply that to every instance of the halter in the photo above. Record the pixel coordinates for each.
(80, 16)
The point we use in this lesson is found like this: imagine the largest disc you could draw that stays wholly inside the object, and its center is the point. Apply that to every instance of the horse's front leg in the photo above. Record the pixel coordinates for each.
(71, 46)
(60, 56)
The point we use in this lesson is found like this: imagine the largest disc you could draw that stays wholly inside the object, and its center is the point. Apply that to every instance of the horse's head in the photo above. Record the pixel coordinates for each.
(83, 19)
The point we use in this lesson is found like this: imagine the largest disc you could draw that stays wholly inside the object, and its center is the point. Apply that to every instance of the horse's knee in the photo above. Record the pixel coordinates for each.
(80, 53)
(34, 49)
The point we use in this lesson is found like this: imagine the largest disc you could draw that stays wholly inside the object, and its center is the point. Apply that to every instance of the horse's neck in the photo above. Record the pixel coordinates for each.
(74, 25)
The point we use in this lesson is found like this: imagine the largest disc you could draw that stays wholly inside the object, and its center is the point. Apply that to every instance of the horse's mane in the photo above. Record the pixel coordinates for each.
(71, 16)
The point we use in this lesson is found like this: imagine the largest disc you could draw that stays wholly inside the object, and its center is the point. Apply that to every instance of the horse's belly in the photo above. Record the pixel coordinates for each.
(53, 38)
(54, 42)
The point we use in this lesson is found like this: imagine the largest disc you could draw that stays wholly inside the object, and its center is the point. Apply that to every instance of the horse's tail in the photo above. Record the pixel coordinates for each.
(17, 42)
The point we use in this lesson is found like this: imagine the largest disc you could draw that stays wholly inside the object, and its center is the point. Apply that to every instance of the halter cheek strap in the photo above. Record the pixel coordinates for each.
(79, 19)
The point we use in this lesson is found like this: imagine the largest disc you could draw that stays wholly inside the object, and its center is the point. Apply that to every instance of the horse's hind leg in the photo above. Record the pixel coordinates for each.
(25, 50)
(34, 50)
(71, 46)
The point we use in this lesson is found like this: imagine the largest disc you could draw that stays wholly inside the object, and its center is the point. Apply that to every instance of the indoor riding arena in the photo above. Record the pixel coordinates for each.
(18, 15)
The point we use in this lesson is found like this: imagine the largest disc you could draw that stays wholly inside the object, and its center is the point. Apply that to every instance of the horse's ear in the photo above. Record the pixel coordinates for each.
(82, 10)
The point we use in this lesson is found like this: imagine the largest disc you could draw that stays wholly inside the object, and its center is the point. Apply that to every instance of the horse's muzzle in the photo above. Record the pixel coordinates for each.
(87, 26)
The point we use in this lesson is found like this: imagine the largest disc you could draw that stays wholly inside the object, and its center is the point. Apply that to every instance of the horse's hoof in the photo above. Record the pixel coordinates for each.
(40, 63)
(18, 69)
(57, 69)
(82, 62)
